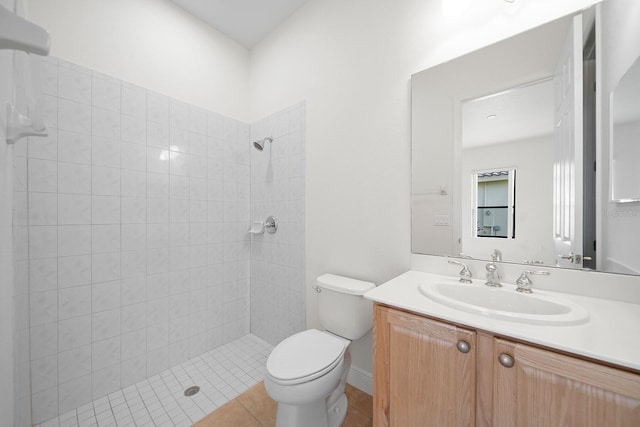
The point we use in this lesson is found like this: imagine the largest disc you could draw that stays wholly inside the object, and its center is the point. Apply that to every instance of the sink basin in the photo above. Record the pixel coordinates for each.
(505, 303)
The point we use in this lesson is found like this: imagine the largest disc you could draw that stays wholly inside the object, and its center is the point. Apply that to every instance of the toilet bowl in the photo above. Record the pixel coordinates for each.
(307, 372)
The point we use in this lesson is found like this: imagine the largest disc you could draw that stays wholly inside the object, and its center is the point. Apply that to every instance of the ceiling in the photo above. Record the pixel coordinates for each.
(519, 113)
(245, 21)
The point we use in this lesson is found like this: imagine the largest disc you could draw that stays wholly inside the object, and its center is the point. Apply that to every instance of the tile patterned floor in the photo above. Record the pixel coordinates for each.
(222, 375)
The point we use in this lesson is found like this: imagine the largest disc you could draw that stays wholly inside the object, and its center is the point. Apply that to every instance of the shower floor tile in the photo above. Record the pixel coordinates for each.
(222, 374)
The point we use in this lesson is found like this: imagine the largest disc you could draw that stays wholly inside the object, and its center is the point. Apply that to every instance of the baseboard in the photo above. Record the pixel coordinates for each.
(361, 379)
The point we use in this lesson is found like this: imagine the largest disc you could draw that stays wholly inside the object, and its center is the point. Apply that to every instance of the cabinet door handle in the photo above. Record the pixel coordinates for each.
(506, 360)
(463, 346)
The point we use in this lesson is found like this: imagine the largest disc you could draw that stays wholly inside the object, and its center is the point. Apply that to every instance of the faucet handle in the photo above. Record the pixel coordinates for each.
(496, 255)
(524, 283)
(465, 273)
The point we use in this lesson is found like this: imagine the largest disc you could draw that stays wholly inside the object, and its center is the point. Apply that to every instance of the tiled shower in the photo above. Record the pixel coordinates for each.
(131, 237)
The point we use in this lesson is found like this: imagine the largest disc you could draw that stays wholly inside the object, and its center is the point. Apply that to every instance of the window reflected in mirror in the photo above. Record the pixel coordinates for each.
(495, 204)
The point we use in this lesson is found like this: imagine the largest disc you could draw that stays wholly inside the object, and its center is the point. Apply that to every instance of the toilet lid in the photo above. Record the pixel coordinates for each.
(305, 356)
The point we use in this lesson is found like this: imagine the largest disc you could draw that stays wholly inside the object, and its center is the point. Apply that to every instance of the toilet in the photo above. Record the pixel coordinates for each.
(307, 372)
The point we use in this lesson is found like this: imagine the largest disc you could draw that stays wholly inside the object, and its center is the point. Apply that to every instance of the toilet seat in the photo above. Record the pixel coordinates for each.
(305, 356)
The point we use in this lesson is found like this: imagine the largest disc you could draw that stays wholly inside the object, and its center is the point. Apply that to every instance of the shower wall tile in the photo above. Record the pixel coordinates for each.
(128, 236)
(275, 185)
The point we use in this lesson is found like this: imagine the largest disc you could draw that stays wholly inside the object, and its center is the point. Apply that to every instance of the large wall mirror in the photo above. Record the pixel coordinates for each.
(511, 148)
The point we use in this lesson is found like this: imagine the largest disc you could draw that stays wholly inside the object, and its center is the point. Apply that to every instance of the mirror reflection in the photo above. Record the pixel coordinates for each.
(505, 147)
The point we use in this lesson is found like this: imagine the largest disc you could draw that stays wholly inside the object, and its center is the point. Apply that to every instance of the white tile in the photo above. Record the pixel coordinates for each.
(74, 84)
(74, 271)
(74, 209)
(133, 370)
(105, 93)
(179, 258)
(157, 185)
(179, 187)
(105, 123)
(133, 129)
(158, 235)
(44, 405)
(74, 178)
(105, 296)
(134, 157)
(74, 240)
(178, 163)
(158, 134)
(105, 324)
(134, 210)
(158, 336)
(105, 353)
(105, 381)
(44, 147)
(178, 140)
(105, 267)
(44, 373)
(133, 291)
(134, 183)
(74, 147)
(157, 360)
(157, 210)
(105, 209)
(197, 120)
(49, 77)
(43, 274)
(44, 340)
(134, 343)
(134, 237)
(198, 144)
(75, 393)
(43, 209)
(74, 117)
(197, 188)
(158, 312)
(157, 107)
(179, 210)
(105, 238)
(74, 302)
(43, 176)
(43, 307)
(133, 317)
(105, 181)
(43, 241)
(158, 260)
(158, 160)
(134, 100)
(74, 363)
(133, 264)
(179, 234)
(105, 152)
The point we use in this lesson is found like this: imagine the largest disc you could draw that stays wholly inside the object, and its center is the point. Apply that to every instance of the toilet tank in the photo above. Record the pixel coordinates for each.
(342, 309)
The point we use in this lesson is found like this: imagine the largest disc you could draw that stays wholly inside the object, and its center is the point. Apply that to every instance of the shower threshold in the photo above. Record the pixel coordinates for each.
(220, 374)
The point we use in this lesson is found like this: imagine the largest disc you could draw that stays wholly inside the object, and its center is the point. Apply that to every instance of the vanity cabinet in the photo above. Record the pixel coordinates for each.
(432, 373)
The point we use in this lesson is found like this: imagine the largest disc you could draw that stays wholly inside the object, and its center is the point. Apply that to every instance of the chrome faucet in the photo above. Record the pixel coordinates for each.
(465, 273)
(493, 275)
(524, 283)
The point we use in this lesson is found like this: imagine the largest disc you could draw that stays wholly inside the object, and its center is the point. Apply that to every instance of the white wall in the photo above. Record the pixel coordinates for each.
(351, 60)
(152, 43)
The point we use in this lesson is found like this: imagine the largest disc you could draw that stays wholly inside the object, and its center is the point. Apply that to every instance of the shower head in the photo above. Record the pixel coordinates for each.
(261, 143)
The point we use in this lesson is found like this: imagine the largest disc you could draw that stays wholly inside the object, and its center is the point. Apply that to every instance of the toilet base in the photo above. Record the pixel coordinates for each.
(338, 411)
(315, 414)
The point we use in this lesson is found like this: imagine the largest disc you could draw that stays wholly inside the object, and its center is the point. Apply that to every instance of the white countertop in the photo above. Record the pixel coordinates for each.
(612, 333)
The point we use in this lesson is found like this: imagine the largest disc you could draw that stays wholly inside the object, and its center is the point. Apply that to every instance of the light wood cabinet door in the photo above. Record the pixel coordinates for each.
(544, 388)
(421, 377)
